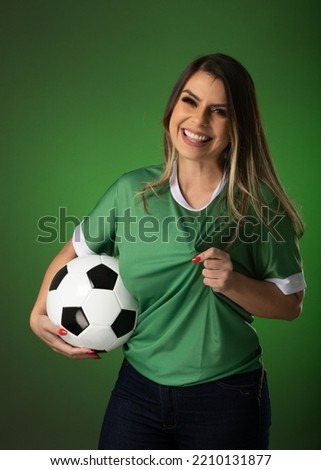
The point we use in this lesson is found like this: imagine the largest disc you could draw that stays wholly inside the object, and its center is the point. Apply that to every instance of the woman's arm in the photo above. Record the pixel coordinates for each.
(260, 298)
(39, 321)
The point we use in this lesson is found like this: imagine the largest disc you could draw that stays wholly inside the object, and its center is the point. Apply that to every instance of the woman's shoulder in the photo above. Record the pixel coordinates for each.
(143, 175)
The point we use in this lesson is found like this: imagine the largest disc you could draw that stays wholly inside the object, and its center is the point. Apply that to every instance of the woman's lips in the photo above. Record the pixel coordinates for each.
(195, 138)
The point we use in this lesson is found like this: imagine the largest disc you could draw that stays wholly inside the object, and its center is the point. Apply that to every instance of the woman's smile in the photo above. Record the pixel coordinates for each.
(195, 138)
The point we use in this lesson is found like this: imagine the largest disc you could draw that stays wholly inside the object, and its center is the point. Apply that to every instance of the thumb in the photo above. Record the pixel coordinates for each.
(211, 253)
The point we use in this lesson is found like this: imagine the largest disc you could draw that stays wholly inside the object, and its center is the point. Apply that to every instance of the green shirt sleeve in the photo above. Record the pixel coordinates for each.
(276, 252)
(99, 227)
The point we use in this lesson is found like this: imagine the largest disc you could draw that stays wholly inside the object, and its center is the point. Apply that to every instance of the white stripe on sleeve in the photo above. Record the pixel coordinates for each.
(291, 284)
(79, 243)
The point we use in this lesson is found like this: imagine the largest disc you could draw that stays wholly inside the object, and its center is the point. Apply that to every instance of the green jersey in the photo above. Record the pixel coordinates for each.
(186, 333)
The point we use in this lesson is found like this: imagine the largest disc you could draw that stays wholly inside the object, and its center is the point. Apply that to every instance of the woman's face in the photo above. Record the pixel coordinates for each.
(199, 126)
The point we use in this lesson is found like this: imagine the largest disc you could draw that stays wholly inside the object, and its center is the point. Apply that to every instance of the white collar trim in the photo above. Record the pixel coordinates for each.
(178, 196)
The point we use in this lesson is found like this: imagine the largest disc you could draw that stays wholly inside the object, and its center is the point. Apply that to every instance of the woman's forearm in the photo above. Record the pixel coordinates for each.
(66, 254)
(260, 298)
(263, 298)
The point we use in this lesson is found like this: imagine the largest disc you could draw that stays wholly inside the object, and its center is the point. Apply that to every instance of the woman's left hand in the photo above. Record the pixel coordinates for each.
(258, 297)
(218, 269)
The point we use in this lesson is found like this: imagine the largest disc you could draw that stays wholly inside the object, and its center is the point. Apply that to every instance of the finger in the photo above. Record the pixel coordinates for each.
(211, 253)
(59, 345)
(210, 273)
(62, 332)
(218, 285)
(74, 352)
(216, 264)
(215, 284)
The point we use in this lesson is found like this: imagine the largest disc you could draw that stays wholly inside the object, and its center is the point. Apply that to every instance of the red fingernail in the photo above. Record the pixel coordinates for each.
(93, 353)
(62, 332)
(197, 259)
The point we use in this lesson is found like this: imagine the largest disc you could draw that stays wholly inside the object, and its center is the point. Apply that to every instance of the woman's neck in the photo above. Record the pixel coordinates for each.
(198, 181)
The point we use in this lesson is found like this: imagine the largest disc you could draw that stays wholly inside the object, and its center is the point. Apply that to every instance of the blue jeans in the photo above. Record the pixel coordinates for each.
(232, 413)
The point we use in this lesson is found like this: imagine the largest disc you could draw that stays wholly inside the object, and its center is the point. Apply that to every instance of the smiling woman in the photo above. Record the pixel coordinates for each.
(199, 131)
(193, 375)
(199, 127)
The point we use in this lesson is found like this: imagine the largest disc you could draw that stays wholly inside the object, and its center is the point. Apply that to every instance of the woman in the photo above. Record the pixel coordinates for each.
(205, 242)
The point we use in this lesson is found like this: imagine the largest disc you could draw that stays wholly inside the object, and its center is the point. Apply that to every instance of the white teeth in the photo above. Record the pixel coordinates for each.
(191, 135)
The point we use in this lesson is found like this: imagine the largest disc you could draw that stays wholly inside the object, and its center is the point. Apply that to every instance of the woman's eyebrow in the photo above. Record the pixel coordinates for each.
(191, 93)
(223, 105)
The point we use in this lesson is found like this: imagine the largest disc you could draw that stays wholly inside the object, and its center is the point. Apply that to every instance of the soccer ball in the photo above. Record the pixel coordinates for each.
(88, 299)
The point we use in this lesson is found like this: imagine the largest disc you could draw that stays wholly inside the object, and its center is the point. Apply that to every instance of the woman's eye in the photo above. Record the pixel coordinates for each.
(189, 100)
(217, 110)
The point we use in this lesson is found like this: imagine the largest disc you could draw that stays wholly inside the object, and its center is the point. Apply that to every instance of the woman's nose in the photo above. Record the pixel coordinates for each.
(200, 117)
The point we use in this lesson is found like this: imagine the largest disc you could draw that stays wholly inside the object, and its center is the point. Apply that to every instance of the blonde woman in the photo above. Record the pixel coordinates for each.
(206, 242)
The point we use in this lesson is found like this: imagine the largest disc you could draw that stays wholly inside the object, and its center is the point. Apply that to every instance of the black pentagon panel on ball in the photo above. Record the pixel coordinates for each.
(102, 277)
(124, 323)
(74, 320)
(58, 278)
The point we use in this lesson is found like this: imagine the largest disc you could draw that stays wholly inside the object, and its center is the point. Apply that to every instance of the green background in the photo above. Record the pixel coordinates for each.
(83, 89)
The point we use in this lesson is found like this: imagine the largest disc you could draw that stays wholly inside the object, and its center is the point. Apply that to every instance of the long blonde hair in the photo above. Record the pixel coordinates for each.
(248, 159)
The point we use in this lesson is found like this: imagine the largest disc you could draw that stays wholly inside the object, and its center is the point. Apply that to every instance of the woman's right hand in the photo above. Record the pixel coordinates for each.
(52, 335)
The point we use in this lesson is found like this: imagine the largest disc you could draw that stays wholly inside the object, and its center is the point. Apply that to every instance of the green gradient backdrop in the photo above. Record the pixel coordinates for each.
(83, 88)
